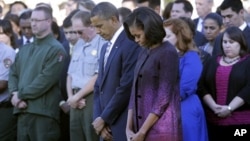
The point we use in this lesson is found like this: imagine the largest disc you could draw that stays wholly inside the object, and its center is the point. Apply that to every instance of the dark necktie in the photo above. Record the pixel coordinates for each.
(106, 54)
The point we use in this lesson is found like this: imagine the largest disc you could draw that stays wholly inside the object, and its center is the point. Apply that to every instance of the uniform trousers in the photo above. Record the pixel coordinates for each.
(8, 122)
(81, 128)
(33, 127)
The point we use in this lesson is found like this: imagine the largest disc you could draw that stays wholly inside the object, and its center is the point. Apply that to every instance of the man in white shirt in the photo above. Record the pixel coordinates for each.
(203, 8)
(232, 13)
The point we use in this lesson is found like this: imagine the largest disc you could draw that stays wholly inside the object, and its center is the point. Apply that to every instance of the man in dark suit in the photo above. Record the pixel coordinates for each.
(184, 8)
(203, 8)
(113, 86)
(25, 26)
(232, 12)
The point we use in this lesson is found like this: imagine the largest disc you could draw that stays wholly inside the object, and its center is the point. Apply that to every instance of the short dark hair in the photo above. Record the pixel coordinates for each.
(25, 14)
(84, 16)
(216, 17)
(154, 3)
(18, 2)
(235, 5)
(105, 10)
(67, 21)
(141, 1)
(46, 10)
(124, 12)
(187, 5)
(149, 21)
(45, 5)
(237, 35)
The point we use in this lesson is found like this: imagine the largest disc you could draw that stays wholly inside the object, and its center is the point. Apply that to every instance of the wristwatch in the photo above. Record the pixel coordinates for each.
(229, 108)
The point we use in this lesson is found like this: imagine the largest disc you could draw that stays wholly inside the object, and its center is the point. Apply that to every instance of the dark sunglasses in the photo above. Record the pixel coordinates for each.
(26, 27)
(71, 32)
(79, 32)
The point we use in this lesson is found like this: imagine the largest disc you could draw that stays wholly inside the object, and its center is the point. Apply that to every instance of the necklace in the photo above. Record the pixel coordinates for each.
(231, 60)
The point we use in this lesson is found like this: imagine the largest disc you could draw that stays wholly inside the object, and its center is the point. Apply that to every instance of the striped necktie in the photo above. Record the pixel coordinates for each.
(107, 54)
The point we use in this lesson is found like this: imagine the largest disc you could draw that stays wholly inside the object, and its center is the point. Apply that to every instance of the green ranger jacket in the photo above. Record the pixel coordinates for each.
(35, 76)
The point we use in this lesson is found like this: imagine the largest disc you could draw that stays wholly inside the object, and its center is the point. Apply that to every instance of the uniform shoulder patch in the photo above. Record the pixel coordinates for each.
(60, 57)
(7, 62)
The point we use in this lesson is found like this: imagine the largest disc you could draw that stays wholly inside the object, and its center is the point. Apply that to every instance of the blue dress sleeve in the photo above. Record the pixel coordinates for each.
(190, 71)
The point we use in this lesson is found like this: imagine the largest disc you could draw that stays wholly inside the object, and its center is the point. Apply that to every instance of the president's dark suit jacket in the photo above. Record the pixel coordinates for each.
(113, 86)
(218, 40)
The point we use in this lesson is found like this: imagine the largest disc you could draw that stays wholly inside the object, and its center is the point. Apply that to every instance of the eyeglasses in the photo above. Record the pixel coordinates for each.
(37, 20)
(80, 31)
(70, 32)
(27, 27)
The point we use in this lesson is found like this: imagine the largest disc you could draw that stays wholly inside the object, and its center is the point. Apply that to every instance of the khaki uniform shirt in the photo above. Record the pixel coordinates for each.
(85, 61)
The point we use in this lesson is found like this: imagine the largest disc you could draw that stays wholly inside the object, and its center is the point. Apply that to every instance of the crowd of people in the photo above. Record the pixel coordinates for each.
(125, 74)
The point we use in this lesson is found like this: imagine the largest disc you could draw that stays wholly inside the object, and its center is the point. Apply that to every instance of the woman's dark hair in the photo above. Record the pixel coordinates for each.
(166, 14)
(12, 17)
(216, 17)
(234, 33)
(55, 29)
(105, 10)
(7, 29)
(149, 21)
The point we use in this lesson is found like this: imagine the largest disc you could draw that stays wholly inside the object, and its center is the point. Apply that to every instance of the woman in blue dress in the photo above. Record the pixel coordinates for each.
(194, 126)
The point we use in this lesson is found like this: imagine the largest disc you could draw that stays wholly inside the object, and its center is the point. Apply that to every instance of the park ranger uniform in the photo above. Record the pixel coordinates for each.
(7, 119)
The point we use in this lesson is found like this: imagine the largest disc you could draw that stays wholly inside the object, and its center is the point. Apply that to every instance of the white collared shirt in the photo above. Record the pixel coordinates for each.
(199, 25)
(25, 40)
(243, 26)
(85, 61)
(114, 38)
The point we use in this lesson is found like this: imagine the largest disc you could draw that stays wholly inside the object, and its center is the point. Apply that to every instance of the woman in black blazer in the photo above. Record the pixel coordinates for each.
(225, 87)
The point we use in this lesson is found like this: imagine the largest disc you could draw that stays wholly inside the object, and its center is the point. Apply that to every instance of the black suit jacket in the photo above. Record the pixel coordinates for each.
(19, 42)
(196, 20)
(113, 85)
